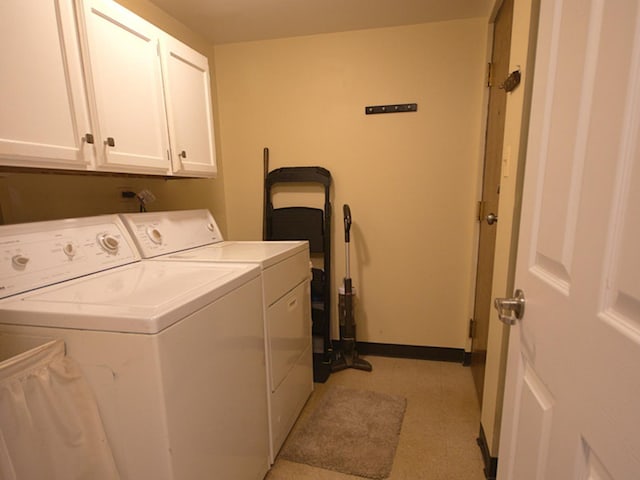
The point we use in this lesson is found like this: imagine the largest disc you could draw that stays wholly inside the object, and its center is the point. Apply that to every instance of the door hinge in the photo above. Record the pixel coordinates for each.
(472, 328)
(489, 74)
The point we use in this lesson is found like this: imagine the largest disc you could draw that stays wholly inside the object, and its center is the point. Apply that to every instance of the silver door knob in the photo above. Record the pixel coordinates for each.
(492, 218)
(510, 309)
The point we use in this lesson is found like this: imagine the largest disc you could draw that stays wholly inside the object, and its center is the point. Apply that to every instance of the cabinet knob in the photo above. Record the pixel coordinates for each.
(88, 137)
(183, 154)
(110, 142)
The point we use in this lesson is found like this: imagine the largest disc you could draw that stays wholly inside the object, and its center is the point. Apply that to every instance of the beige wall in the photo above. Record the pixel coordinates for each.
(28, 197)
(411, 179)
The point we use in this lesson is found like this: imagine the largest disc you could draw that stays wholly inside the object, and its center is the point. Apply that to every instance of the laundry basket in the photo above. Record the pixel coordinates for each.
(50, 426)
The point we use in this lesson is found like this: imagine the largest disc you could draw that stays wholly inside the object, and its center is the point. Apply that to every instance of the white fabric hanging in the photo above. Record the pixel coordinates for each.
(50, 426)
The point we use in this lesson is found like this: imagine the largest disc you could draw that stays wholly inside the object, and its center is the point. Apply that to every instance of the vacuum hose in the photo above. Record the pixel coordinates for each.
(347, 222)
(347, 238)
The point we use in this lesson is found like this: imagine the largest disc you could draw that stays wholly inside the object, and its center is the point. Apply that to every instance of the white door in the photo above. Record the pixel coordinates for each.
(572, 396)
(123, 60)
(44, 116)
(188, 94)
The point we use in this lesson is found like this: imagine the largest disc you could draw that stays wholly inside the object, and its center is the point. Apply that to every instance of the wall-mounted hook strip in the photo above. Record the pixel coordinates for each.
(512, 81)
(404, 107)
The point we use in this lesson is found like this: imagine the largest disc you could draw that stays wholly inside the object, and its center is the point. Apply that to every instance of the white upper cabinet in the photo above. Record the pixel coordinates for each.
(188, 100)
(123, 70)
(43, 117)
(88, 85)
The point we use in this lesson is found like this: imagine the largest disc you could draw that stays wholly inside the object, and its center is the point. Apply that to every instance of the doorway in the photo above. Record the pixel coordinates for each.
(498, 71)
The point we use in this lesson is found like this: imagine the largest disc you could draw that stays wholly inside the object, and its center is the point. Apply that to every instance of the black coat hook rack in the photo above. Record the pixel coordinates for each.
(402, 107)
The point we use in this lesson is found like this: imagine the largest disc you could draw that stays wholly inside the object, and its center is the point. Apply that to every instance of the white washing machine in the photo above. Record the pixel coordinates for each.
(173, 351)
(194, 236)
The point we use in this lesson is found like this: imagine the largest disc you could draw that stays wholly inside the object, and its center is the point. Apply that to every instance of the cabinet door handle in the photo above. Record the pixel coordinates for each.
(88, 137)
(110, 142)
(183, 154)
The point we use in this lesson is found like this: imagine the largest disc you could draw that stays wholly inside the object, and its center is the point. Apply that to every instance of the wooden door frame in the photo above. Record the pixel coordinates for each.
(490, 188)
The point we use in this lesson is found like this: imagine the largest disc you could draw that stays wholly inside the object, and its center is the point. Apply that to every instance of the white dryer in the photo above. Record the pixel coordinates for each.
(194, 236)
(173, 351)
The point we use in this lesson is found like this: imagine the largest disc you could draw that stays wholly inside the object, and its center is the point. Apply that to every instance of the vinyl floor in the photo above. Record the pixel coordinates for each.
(440, 427)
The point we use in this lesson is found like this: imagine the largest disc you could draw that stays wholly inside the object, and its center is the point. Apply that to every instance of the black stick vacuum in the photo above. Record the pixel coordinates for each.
(347, 357)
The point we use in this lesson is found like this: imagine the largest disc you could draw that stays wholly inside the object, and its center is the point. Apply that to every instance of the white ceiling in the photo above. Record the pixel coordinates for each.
(228, 21)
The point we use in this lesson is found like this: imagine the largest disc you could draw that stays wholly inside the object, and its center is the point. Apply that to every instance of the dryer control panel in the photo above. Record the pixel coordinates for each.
(34, 255)
(160, 233)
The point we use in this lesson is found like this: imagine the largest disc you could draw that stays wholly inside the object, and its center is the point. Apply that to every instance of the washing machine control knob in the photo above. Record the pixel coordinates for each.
(108, 243)
(70, 250)
(19, 261)
(154, 235)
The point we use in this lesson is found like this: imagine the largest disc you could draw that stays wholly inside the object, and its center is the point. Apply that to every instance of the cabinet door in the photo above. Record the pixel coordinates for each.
(188, 95)
(122, 62)
(44, 113)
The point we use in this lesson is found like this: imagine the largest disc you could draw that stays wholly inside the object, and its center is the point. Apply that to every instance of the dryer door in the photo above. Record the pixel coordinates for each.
(289, 327)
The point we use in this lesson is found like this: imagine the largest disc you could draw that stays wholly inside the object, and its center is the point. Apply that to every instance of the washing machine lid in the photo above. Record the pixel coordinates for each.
(144, 297)
(264, 253)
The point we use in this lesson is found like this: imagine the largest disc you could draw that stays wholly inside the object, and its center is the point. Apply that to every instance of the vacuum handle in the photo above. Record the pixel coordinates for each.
(347, 222)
